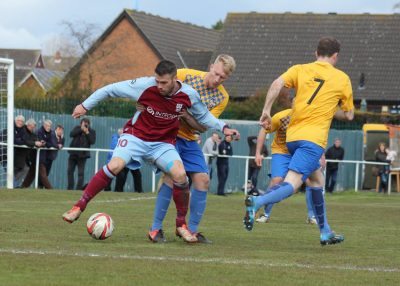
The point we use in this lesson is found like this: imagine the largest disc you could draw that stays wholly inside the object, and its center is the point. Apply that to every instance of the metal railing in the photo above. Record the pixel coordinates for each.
(247, 159)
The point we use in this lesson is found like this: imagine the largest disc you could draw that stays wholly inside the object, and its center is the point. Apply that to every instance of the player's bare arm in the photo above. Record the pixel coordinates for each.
(273, 92)
(193, 123)
(260, 143)
(344, 115)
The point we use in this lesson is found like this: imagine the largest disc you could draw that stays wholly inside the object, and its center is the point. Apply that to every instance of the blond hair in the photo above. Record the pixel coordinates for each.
(228, 63)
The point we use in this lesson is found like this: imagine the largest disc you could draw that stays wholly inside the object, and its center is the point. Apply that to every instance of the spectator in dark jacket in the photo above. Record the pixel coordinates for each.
(381, 156)
(253, 168)
(335, 152)
(58, 137)
(20, 167)
(45, 134)
(31, 139)
(224, 148)
(82, 137)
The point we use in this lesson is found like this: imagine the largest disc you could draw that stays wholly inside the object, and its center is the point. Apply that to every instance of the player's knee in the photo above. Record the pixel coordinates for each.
(201, 182)
(116, 165)
(180, 177)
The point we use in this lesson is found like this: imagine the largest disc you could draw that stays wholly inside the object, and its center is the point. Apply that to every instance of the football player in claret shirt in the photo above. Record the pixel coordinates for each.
(214, 96)
(320, 89)
(151, 134)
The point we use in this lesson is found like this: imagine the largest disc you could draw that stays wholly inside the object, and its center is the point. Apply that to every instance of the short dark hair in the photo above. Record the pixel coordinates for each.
(60, 126)
(327, 46)
(86, 120)
(165, 67)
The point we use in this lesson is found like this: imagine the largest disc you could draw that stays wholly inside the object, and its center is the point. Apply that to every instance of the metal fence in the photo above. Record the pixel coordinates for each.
(236, 183)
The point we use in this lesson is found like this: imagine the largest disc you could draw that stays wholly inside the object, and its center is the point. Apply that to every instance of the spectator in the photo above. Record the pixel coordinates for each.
(31, 139)
(20, 167)
(46, 135)
(58, 135)
(335, 152)
(224, 148)
(380, 156)
(210, 148)
(82, 137)
(253, 168)
(121, 179)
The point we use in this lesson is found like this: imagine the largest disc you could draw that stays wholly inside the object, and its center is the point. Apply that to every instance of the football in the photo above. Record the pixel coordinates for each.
(100, 226)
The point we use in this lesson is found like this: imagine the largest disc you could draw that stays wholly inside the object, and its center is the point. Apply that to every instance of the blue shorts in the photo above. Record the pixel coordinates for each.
(305, 157)
(135, 151)
(280, 165)
(191, 155)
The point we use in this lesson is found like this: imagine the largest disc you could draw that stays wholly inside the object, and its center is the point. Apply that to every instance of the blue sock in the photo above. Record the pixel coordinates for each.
(198, 201)
(268, 209)
(309, 203)
(319, 209)
(162, 203)
(274, 195)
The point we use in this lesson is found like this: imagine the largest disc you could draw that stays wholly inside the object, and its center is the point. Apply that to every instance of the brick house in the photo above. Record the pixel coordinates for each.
(265, 45)
(133, 45)
(39, 82)
(24, 61)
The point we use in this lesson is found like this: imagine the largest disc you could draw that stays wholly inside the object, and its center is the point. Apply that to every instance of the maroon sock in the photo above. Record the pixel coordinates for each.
(96, 184)
(181, 199)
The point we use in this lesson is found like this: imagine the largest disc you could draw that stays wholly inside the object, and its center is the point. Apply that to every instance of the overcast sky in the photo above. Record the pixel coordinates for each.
(28, 24)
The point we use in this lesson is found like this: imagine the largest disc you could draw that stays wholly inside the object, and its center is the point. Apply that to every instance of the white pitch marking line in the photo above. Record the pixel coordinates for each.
(201, 260)
(94, 201)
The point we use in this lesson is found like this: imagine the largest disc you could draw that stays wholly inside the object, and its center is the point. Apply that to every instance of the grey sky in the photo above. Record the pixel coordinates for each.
(31, 23)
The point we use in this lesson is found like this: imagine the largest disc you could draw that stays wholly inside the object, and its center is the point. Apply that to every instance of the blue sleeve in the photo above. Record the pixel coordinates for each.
(114, 141)
(200, 112)
(125, 89)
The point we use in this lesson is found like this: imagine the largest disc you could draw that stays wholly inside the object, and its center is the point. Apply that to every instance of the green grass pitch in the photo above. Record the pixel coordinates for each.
(38, 248)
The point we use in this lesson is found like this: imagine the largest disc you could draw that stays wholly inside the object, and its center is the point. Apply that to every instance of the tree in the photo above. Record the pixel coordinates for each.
(218, 26)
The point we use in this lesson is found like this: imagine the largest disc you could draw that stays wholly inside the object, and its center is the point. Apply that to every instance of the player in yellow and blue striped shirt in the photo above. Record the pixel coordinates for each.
(320, 89)
(280, 160)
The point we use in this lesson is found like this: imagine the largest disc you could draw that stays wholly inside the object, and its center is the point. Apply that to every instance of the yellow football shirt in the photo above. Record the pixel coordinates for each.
(320, 89)
(216, 99)
(279, 124)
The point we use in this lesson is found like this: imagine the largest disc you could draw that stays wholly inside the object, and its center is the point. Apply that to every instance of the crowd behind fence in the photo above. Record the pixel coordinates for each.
(238, 179)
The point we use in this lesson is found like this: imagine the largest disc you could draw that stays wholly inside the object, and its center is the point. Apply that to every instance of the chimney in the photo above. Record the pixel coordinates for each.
(57, 58)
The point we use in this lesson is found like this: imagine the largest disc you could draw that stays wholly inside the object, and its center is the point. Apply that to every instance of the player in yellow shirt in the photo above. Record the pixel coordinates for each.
(214, 96)
(280, 160)
(320, 88)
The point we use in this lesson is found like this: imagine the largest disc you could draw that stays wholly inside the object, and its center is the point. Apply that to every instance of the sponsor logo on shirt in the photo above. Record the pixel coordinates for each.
(162, 115)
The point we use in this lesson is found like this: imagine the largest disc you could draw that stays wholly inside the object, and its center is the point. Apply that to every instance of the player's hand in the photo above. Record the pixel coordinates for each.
(233, 132)
(139, 107)
(258, 160)
(184, 114)
(265, 120)
(79, 111)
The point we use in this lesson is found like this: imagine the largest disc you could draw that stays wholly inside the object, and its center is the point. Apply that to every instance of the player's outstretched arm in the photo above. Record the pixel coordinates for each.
(125, 89)
(260, 143)
(272, 94)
